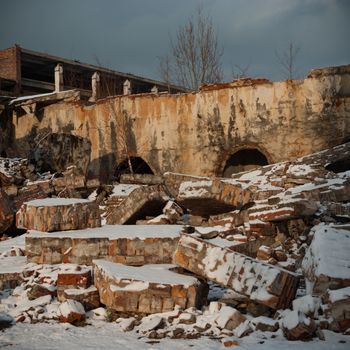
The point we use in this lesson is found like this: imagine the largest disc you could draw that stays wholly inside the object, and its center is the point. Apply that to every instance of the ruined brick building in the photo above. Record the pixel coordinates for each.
(219, 130)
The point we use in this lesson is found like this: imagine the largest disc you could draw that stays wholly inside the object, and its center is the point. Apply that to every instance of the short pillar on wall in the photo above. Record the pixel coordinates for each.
(127, 87)
(59, 78)
(95, 87)
(154, 90)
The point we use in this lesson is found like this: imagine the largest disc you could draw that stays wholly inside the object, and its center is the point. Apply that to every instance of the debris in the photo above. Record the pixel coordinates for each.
(297, 326)
(71, 311)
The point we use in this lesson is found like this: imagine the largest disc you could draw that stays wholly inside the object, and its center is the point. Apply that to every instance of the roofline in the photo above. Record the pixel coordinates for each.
(101, 69)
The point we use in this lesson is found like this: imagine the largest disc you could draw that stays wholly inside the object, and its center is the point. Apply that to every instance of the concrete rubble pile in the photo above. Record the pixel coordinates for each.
(20, 183)
(182, 256)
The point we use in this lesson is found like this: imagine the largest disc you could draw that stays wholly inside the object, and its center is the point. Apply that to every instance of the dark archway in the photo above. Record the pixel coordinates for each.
(339, 165)
(244, 160)
(138, 165)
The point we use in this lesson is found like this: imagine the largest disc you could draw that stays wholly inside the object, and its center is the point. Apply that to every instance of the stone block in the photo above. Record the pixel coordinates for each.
(327, 260)
(147, 289)
(338, 308)
(71, 311)
(88, 297)
(131, 245)
(297, 326)
(263, 283)
(58, 214)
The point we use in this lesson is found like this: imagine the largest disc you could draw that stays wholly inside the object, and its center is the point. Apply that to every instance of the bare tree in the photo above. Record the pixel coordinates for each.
(287, 60)
(240, 72)
(165, 70)
(195, 55)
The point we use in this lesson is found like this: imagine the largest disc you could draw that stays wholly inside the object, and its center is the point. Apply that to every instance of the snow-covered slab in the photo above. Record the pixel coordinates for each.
(8, 244)
(11, 268)
(327, 261)
(262, 283)
(57, 214)
(146, 289)
(128, 244)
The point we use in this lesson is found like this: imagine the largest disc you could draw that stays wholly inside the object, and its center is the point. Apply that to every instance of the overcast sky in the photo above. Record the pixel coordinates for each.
(129, 35)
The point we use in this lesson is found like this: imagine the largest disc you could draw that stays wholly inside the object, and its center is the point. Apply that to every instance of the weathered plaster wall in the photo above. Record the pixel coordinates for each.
(196, 133)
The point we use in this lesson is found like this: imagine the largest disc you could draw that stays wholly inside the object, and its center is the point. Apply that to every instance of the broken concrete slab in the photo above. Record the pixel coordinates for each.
(147, 289)
(262, 283)
(205, 197)
(58, 214)
(130, 245)
(141, 202)
(326, 264)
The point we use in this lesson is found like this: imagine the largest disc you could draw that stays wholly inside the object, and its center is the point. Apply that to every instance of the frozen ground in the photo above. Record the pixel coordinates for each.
(102, 335)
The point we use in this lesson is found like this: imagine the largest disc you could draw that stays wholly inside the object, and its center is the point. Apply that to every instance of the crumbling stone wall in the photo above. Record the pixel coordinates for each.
(196, 133)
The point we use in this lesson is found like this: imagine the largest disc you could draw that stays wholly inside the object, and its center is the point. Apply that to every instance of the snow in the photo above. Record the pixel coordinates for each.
(101, 335)
(24, 98)
(213, 270)
(224, 243)
(127, 323)
(123, 190)
(190, 189)
(12, 264)
(158, 273)
(80, 291)
(135, 286)
(226, 313)
(300, 170)
(150, 322)
(51, 202)
(264, 320)
(8, 244)
(70, 306)
(116, 231)
(293, 318)
(328, 253)
(339, 294)
(306, 304)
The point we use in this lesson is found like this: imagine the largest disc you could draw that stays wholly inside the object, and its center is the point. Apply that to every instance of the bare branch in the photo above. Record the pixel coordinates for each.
(287, 59)
(195, 56)
(240, 72)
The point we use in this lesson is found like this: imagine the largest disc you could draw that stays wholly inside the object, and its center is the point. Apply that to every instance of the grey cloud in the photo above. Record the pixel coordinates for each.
(130, 35)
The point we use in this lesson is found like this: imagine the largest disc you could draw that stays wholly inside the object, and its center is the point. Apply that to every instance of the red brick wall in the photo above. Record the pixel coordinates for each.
(8, 64)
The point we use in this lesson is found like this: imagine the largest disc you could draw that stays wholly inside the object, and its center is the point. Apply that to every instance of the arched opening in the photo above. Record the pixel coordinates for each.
(339, 166)
(244, 160)
(137, 165)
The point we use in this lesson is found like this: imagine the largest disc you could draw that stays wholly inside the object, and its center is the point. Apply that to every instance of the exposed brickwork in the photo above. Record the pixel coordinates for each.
(77, 247)
(8, 64)
(147, 294)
